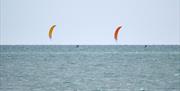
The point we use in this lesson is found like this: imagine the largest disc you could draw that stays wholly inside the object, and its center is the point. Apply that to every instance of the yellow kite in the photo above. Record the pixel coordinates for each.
(51, 31)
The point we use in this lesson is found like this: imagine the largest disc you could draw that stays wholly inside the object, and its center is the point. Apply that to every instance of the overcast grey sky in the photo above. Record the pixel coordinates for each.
(90, 21)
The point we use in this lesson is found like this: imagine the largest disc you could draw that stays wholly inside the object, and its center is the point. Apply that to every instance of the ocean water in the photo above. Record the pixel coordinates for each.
(89, 68)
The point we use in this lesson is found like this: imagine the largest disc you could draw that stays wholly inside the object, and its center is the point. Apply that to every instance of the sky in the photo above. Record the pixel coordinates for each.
(90, 22)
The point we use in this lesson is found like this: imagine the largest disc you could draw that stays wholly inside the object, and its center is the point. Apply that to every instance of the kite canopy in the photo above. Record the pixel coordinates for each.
(51, 31)
(116, 32)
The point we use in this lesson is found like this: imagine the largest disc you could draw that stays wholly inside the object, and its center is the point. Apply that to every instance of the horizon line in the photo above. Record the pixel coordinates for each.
(92, 44)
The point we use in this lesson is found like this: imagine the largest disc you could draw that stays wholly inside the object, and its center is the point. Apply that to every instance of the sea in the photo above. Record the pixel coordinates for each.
(89, 68)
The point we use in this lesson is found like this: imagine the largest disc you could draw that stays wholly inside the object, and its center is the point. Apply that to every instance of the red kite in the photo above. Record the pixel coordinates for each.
(116, 32)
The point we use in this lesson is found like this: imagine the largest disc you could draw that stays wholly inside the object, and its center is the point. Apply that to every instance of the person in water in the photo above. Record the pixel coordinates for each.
(145, 46)
(77, 46)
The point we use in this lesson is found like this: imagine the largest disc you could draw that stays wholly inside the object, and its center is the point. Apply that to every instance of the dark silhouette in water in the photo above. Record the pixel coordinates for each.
(145, 46)
(77, 46)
